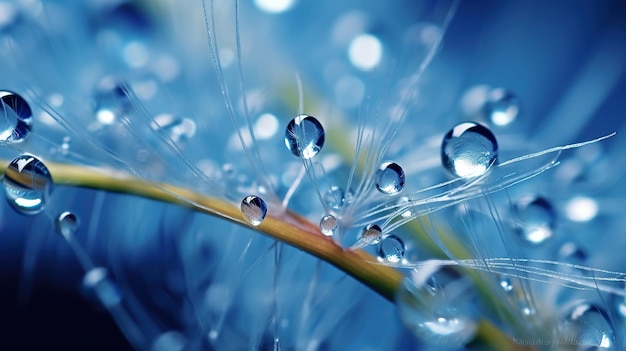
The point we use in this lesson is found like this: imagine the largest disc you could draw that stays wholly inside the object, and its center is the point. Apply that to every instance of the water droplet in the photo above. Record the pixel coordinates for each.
(169, 341)
(502, 107)
(590, 327)
(66, 224)
(370, 235)
(27, 185)
(112, 101)
(403, 205)
(336, 198)
(16, 124)
(328, 225)
(97, 281)
(176, 128)
(304, 136)
(438, 305)
(391, 249)
(254, 209)
(390, 178)
(468, 150)
(536, 219)
(506, 285)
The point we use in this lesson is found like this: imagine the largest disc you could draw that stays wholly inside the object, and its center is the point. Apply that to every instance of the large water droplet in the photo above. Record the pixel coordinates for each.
(304, 136)
(254, 209)
(66, 224)
(501, 107)
(328, 225)
(590, 327)
(391, 249)
(468, 150)
(27, 185)
(97, 281)
(390, 178)
(16, 118)
(536, 219)
(438, 305)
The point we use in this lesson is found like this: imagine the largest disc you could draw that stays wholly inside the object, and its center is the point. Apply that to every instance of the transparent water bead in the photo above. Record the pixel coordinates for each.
(254, 209)
(536, 219)
(371, 235)
(304, 136)
(66, 224)
(177, 129)
(328, 225)
(391, 249)
(438, 305)
(403, 205)
(501, 107)
(590, 327)
(336, 198)
(468, 150)
(97, 281)
(27, 185)
(111, 101)
(390, 178)
(16, 124)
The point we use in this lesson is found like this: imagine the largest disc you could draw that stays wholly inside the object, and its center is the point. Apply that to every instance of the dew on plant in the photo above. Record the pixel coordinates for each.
(16, 119)
(469, 150)
(535, 219)
(177, 129)
(66, 224)
(337, 198)
(391, 249)
(502, 107)
(304, 136)
(390, 178)
(590, 327)
(328, 225)
(370, 235)
(111, 101)
(254, 209)
(438, 305)
(27, 185)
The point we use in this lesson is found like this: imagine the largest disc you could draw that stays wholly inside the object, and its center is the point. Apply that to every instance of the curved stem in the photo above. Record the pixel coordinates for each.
(286, 227)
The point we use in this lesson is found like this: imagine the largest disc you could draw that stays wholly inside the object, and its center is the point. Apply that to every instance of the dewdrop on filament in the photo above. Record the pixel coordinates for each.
(469, 150)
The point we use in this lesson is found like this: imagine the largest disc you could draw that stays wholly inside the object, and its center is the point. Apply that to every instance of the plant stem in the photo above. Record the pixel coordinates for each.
(285, 226)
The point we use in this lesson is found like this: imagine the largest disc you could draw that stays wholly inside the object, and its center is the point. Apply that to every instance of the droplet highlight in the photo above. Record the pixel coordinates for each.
(328, 225)
(304, 136)
(469, 150)
(254, 209)
(17, 121)
(390, 178)
(535, 219)
(98, 282)
(590, 326)
(501, 107)
(111, 101)
(27, 185)
(391, 249)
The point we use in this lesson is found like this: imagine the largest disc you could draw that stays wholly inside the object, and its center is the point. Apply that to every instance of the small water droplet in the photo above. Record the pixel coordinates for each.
(403, 205)
(112, 101)
(169, 341)
(506, 285)
(16, 124)
(254, 209)
(469, 150)
(97, 281)
(390, 178)
(438, 305)
(502, 107)
(328, 225)
(536, 219)
(304, 136)
(590, 327)
(371, 235)
(66, 224)
(391, 249)
(336, 198)
(27, 185)
(176, 128)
